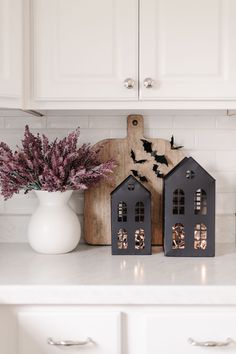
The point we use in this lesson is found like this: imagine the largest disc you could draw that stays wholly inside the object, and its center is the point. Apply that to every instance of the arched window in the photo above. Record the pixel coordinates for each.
(139, 239)
(139, 212)
(200, 202)
(122, 212)
(178, 236)
(122, 239)
(178, 201)
(200, 236)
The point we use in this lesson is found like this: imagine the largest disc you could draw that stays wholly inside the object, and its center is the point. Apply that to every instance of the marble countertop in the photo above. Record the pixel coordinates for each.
(91, 275)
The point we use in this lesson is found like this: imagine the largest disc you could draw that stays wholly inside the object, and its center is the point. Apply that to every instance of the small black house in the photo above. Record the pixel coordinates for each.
(131, 218)
(189, 211)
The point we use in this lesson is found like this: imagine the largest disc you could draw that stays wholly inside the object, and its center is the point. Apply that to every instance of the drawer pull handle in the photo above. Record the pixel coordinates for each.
(68, 343)
(210, 343)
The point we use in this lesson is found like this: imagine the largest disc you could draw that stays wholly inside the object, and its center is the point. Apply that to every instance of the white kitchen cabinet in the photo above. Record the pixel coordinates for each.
(11, 50)
(117, 54)
(178, 54)
(84, 50)
(117, 329)
(49, 331)
(188, 49)
(184, 330)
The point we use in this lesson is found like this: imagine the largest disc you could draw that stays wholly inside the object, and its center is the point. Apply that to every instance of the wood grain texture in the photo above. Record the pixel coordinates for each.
(97, 213)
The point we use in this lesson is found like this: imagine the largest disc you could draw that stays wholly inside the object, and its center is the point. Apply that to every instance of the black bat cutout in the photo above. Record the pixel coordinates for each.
(172, 144)
(148, 148)
(155, 168)
(132, 154)
(161, 159)
(157, 172)
(140, 177)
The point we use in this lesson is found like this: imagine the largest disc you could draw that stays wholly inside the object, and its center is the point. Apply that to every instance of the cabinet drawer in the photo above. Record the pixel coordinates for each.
(186, 332)
(35, 329)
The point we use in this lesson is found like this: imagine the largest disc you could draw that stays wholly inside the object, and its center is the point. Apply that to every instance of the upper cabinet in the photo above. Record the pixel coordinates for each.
(127, 54)
(11, 50)
(84, 50)
(188, 49)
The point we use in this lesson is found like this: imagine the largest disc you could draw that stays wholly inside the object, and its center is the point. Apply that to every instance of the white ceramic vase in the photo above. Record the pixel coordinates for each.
(54, 227)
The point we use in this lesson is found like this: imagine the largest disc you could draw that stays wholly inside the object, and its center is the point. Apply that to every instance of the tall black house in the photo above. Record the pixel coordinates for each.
(131, 218)
(189, 211)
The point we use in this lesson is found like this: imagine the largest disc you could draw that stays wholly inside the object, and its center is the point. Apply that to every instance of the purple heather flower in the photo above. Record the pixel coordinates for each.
(51, 166)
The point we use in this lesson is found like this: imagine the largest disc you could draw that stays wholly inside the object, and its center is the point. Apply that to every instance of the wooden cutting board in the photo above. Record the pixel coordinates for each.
(128, 152)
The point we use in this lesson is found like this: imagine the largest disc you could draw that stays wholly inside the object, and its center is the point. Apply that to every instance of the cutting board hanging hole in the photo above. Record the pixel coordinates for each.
(135, 126)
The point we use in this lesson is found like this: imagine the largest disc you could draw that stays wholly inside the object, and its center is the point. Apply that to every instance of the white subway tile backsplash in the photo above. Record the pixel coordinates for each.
(225, 160)
(113, 122)
(118, 133)
(21, 203)
(194, 122)
(59, 122)
(11, 137)
(223, 122)
(20, 122)
(181, 137)
(14, 228)
(225, 228)
(208, 136)
(93, 135)
(216, 139)
(225, 181)
(2, 205)
(158, 122)
(225, 203)
(1, 122)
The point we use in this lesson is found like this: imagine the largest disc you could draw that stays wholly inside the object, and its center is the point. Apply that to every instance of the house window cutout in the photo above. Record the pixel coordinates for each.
(178, 236)
(139, 239)
(131, 186)
(122, 211)
(200, 202)
(178, 202)
(200, 237)
(190, 174)
(122, 239)
(139, 212)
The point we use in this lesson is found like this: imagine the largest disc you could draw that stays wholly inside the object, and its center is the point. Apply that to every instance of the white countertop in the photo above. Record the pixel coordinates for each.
(91, 275)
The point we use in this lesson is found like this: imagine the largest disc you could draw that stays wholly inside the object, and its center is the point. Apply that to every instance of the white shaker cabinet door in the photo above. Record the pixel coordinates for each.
(66, 332)
(10, 53)
(84, 50)
(185, 331)
(188, 49)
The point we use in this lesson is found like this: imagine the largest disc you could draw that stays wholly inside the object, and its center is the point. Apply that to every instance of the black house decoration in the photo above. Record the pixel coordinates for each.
(131, 218)
(189, 211)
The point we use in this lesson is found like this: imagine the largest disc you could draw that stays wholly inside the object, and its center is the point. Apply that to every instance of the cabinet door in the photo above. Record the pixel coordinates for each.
(10, 53)
(84, 50)
(185, 331)
(54, 332)
(188, 48)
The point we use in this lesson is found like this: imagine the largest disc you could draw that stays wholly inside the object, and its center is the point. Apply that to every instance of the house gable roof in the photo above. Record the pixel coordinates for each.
(183, 162)
(130, 179)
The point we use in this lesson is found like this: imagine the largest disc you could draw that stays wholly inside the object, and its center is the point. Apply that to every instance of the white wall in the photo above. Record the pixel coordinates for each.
(210, 137)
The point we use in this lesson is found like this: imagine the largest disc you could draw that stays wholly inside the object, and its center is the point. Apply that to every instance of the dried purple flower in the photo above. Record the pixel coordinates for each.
(51, 166)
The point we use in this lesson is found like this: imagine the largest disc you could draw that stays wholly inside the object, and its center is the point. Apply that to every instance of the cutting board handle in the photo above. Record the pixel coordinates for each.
(135, 126)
